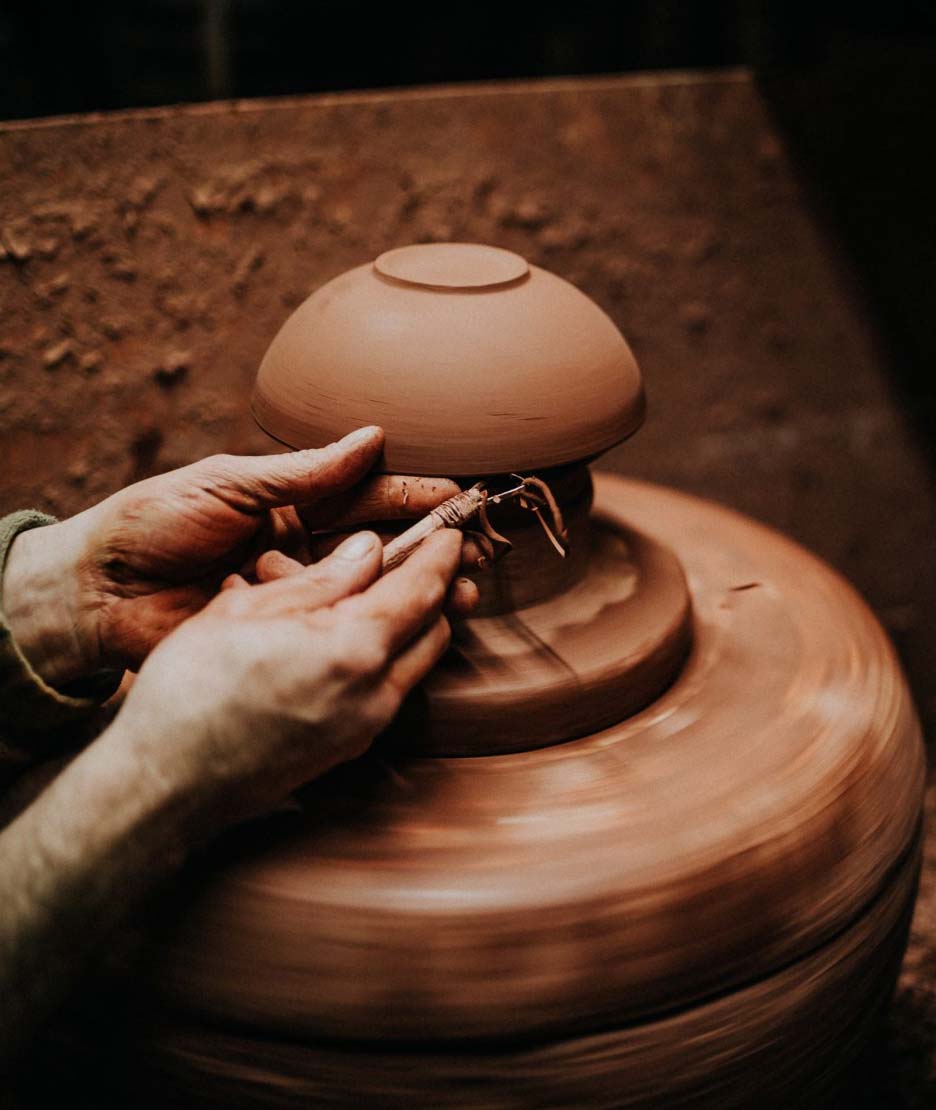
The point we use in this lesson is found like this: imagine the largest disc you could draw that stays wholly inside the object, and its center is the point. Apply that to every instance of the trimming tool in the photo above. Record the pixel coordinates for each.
(459, 511)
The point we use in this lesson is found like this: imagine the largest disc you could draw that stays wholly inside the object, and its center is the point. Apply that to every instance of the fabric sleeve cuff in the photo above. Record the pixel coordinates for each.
(30, 708)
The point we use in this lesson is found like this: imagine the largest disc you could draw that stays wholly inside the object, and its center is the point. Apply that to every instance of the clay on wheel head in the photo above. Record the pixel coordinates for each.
(749, 815)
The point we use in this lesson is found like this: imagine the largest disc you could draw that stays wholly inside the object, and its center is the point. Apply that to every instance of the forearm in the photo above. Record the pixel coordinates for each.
(73, 868)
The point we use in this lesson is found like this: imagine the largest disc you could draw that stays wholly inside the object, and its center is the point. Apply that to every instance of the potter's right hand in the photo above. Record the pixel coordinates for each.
(265, 688)
(273, 684)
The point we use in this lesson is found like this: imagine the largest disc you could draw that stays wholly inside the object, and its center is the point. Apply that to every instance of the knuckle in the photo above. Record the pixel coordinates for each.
(435, 591)
(449, 541)
(394, 495)
(384, 705)
(356, 653)
(216, 464)
(215, 473)
(445, 554)
(273, 565)
(232, 604)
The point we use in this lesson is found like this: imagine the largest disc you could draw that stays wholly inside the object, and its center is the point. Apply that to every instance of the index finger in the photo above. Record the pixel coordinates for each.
(383, 497)
(399, 605)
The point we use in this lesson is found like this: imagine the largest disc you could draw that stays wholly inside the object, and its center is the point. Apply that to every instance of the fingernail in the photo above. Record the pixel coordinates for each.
(357, 546)
(362, 435)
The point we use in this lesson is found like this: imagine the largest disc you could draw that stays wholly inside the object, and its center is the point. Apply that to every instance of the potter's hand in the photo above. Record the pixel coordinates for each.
(265, 688)
(273, 684)
(104, 587)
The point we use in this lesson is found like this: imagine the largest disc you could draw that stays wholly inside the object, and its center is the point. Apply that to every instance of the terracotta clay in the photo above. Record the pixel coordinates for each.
(471, 360)
(649, 836)
(723, 869)
(784, 1041)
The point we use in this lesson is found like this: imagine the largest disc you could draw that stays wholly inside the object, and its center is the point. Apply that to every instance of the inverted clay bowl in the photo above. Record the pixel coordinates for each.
(473, 361)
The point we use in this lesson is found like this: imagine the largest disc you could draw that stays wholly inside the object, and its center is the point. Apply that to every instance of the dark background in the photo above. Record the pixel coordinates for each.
(68, 57)
(852, 85)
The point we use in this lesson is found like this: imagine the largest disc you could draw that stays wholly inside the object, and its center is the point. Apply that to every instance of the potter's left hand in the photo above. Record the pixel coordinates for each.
(102, 588)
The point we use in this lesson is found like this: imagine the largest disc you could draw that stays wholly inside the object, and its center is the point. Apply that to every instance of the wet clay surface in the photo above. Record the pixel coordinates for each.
(777, 1056)
(771, 788)
(725, 870)
(558, 647)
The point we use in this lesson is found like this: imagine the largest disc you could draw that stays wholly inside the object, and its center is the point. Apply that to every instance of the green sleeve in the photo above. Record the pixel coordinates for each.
(38, 721)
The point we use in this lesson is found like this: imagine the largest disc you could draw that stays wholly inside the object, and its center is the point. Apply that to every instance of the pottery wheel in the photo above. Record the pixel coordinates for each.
(574, 662)
(738, 855)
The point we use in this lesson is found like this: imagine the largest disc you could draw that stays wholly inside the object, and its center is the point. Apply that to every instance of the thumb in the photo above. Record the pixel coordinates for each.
(350, 568)
(254, 483)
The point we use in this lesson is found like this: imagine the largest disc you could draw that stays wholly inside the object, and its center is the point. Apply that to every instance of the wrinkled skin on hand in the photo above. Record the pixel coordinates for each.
(273, 684)
(132, 568)
(244, 693)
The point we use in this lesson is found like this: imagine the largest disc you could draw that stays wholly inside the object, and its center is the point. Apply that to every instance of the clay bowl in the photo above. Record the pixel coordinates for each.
(473, 361)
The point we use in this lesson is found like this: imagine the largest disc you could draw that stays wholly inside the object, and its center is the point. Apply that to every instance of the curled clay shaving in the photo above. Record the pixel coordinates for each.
(498, 543)
(537, 496)
(532, 494)
(488, 554)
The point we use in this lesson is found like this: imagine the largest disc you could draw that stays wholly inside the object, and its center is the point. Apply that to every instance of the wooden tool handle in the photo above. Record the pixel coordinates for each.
(454, 513)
